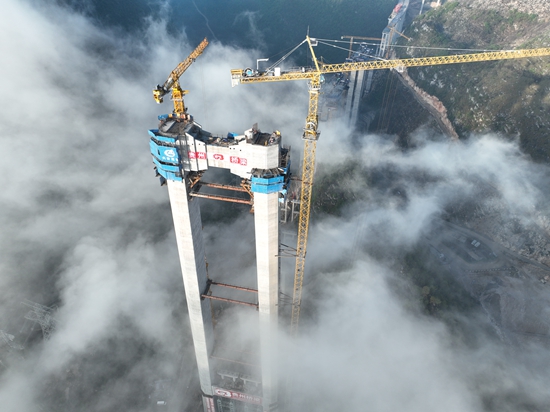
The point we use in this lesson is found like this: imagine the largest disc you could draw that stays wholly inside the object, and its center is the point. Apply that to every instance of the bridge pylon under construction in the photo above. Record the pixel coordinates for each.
(182, 152)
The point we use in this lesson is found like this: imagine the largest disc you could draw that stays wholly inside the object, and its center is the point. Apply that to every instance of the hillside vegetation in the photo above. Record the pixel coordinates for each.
(507, 97)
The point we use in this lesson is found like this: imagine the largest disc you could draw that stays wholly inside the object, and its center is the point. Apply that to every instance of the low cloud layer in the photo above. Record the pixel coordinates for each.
(86, 226)
(365, 344)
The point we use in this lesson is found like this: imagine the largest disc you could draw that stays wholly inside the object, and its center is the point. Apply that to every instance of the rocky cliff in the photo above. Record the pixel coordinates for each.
(508, 97)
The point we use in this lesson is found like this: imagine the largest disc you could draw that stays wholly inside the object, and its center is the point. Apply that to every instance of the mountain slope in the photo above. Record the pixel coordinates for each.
(508, 97)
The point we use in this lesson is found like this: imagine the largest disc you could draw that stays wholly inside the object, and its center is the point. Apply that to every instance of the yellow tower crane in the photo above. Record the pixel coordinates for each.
(172, 83)
(311, 135)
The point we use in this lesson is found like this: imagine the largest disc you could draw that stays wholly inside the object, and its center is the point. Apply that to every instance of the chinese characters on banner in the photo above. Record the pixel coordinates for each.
(217, 156)
(238, 160)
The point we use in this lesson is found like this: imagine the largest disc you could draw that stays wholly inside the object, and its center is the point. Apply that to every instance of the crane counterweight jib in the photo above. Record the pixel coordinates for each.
(159, 93)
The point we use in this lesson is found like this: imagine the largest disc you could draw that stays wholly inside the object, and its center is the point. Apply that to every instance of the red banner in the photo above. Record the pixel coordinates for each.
(238, 396)
(217, 156)
(196, 155)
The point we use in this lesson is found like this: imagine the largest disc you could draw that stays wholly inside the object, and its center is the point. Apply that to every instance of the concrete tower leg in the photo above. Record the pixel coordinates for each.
(349, 98)
(188, 228)
(266, 222)
(369, 82)
(357, 91)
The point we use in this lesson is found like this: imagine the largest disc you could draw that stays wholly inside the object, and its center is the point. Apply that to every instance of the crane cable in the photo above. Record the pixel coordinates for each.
(409, 47)
(345, 49)
(285, 56)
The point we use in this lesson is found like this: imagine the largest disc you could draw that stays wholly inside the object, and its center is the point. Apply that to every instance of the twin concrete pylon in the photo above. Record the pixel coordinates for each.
(256, 157)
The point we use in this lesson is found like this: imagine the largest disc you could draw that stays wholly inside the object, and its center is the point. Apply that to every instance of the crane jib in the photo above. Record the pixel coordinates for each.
(172, 82)
(303, 73)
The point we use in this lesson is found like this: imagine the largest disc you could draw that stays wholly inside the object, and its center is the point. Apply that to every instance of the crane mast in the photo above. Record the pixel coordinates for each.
(311, 135)
(172, 83)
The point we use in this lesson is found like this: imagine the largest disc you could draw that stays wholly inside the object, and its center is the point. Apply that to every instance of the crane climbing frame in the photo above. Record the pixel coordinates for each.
(311, 134)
